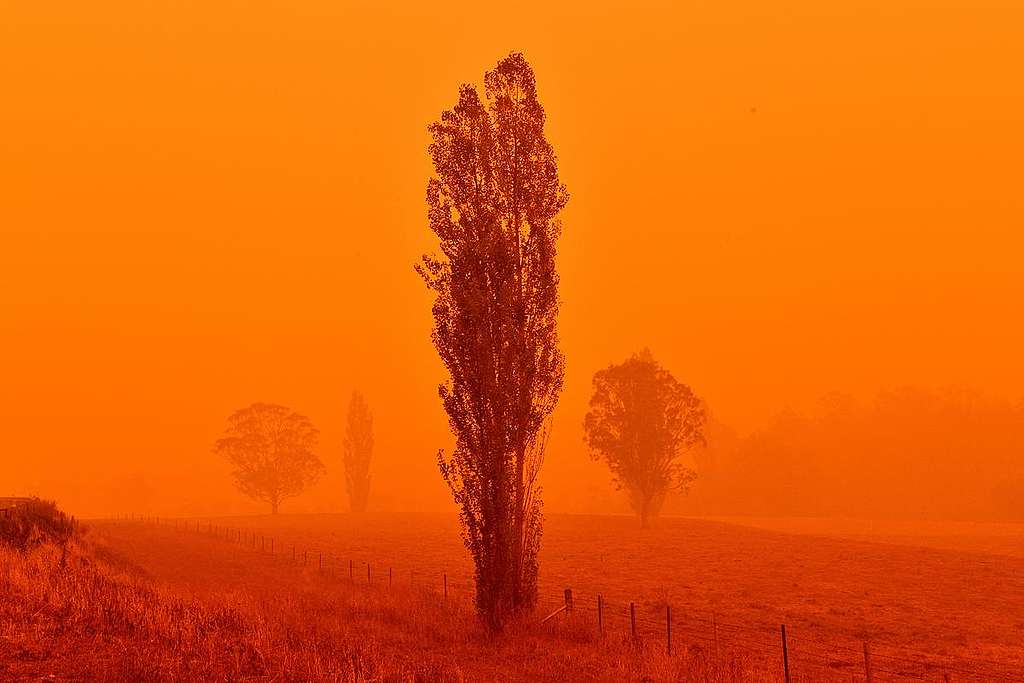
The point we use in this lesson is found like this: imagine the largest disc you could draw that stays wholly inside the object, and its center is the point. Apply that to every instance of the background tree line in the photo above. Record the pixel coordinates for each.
(908, 453)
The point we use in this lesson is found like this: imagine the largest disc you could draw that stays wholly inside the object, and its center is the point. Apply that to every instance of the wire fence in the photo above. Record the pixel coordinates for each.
(794, 656)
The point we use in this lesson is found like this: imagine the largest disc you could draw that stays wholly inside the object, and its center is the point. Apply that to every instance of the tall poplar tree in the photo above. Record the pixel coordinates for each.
(493, 204)
(358, 448)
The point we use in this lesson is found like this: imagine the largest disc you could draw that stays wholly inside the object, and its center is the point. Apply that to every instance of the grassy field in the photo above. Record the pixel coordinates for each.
(209, 600)
(926, 609)
(985, 538)
(148, 603)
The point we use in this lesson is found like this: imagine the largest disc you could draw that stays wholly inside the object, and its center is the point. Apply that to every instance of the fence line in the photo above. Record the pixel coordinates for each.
(671, 627)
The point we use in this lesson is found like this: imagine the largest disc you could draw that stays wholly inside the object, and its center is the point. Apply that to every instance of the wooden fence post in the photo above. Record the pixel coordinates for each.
(869, 675)
(389, 577)
(445, 586)
(714, 627)
(785, 655)
(632, 620)
(600, 615)
(367, 573)
(568, 599)
(668, 629)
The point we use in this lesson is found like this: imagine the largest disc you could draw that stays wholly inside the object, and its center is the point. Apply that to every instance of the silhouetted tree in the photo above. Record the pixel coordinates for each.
(493, 204)
(641, 420)
(271, 450)
(358, 451)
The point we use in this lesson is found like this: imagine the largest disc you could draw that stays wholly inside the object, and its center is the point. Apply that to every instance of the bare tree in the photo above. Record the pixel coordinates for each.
(493, 203)
(358, 452)
(641, 421)
(271, 450)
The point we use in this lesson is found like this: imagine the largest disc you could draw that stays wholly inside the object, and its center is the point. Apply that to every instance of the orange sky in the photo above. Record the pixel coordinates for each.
(205, 204)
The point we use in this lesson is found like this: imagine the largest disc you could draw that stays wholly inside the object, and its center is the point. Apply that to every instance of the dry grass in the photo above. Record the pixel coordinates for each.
(198, 609)
(964, 608)
(32, 522)
(76, 618)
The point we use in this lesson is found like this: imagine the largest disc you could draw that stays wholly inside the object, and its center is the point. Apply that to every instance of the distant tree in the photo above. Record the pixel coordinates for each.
(641, 420)
(358, 451)
(493, 204)
(271, 450)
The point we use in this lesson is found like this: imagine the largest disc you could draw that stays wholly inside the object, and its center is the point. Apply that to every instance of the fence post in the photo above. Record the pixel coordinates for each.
(632, 620)
(445, 586)
(351, 576)
(714, 627)
(785, 655)
(568, 599)
(868, 674)
(367, 573)
(600, 615)
(389, 577)
(668, 629)
(321, 561)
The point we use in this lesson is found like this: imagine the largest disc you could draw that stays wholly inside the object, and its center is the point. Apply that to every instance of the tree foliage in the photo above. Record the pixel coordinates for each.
(493, 204)
(358, 447)
(271, 450)
(641, 421)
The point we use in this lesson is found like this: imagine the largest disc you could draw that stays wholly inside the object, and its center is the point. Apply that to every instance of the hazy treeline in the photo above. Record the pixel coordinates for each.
(949, 454)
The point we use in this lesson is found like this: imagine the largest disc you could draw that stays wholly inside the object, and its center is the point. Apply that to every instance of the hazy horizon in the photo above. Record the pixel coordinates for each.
(203, 208)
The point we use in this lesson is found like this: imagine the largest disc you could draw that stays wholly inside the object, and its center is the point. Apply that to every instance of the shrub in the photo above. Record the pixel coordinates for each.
(34, 522)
